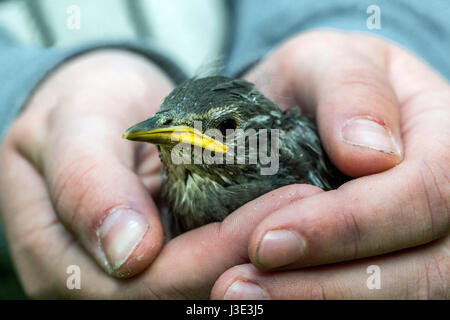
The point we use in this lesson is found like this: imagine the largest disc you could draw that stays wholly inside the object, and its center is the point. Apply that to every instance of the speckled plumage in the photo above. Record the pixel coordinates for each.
(202, 193)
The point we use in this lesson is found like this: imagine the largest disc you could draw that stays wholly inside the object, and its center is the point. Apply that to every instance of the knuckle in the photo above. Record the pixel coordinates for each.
(322, 290)
(435, 278)
(352, 233)
(436, 192)
(362, 76)
(314, 291)
(72, 184)
(366, 82)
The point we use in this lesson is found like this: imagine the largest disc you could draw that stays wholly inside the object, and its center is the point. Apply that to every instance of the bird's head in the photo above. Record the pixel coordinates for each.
(200, 106)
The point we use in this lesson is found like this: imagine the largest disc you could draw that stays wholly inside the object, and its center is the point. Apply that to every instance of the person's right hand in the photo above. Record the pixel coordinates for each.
(72, 192)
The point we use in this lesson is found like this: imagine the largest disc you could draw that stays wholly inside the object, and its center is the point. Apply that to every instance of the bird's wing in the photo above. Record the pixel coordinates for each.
(301, 149)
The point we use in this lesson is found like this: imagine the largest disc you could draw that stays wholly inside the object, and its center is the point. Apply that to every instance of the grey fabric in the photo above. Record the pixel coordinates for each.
(421, 26)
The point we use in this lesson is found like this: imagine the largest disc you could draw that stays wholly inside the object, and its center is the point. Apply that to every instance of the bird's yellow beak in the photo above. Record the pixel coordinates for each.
(174, 135)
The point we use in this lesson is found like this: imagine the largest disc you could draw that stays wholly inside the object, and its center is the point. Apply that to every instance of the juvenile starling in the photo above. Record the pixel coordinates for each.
(199, 191)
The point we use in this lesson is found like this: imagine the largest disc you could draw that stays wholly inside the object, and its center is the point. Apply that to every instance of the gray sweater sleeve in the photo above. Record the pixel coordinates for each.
(22, 68)
(260, 25)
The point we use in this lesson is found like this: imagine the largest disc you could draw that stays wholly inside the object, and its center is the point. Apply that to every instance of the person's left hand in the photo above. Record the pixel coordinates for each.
(384, 118)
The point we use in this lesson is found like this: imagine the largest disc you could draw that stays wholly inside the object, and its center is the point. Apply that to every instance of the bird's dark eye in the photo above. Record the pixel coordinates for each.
(167, 122)
(226, 124)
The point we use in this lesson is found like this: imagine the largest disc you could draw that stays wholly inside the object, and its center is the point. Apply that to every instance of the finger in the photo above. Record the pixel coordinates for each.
(414, 274)
(74, 139)
(189, 264)
(41, 247)
(368, 216)
(96, 194)
(349, 91)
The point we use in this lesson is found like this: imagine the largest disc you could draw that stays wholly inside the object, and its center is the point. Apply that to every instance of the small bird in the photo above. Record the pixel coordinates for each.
(206, 176)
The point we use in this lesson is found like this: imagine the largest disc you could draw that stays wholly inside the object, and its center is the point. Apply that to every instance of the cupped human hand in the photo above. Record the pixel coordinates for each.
(73, 193)
(384, 118)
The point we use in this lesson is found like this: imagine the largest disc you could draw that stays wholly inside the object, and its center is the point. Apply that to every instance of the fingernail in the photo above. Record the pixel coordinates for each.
(279, 248)
(120, 234)
(365, 132)
(245, 290)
